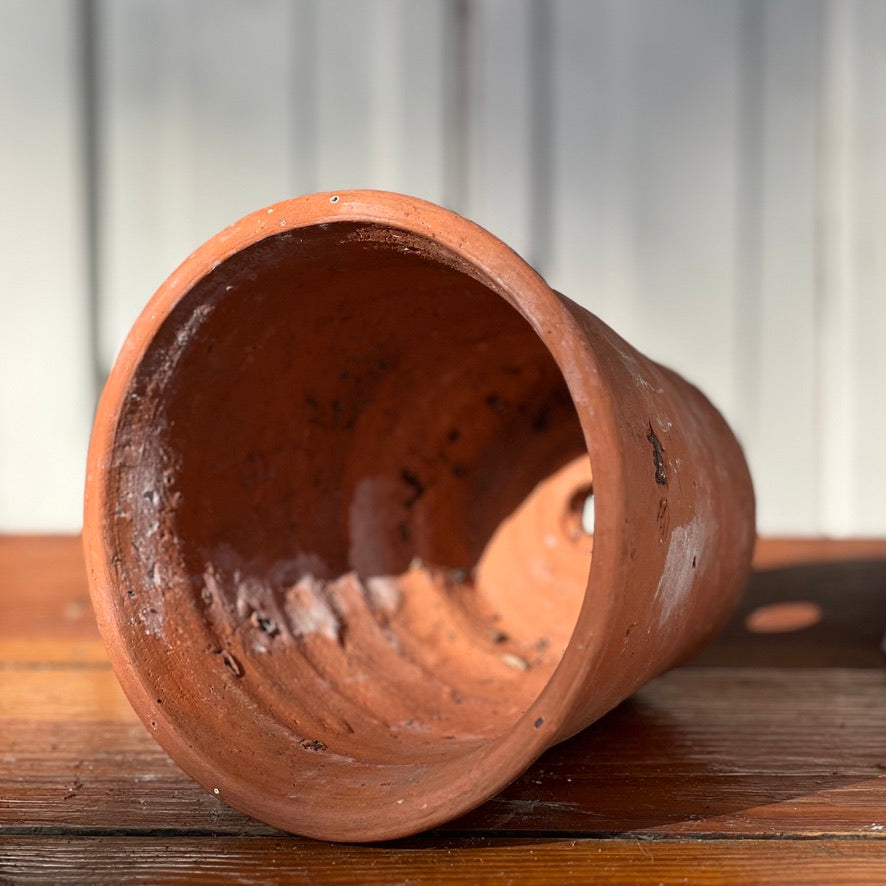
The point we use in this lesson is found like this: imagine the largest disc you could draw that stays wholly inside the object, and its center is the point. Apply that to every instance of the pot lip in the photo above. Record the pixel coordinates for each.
(549, 718)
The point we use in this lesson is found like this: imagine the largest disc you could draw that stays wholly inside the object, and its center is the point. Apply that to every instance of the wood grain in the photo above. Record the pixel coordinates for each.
(43, 591)
(475, 861)
(772, 553)
(695, 752)
(765, 754)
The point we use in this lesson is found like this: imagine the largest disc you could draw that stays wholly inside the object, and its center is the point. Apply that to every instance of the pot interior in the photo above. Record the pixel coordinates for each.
(349, 484)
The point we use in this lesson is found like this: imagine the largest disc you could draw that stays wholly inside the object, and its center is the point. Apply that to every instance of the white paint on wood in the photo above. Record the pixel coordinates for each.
(46, 389)
(779, 429)
(706, 177)
(836, 284)
(592, 241)
(195, 131)
(647, 176)
(380, 96)
(683, 170)
(499, 118)
(867, 453)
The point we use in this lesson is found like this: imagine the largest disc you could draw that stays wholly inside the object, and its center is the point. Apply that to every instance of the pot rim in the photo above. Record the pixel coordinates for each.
(551, 716)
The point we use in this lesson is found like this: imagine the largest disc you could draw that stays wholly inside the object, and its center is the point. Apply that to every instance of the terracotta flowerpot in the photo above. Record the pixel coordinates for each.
(334, 516)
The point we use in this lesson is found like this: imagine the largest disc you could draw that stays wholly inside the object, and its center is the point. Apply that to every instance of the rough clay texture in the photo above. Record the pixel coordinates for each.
(334, 516)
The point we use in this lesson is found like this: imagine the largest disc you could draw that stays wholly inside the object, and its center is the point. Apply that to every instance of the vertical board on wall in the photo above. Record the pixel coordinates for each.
(210, 109)
(684, 176)
(867, 260)
(46, 386)
(195, 130)
(693, 236)
(591, 245)
(708, 178)
(380, 100)
(646, 177)
(499, 117)
(779, 427)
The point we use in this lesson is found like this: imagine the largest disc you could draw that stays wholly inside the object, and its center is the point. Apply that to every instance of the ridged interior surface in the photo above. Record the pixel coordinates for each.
(348, 483)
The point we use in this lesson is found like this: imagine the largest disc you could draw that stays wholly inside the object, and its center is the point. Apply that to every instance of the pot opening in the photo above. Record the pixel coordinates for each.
(360, 485)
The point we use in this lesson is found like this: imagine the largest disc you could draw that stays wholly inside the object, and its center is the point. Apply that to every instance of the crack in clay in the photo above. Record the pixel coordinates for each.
(232, 663)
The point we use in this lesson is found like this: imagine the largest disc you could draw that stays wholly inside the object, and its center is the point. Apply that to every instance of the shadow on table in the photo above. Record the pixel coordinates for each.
(809, 615)
(708, 747)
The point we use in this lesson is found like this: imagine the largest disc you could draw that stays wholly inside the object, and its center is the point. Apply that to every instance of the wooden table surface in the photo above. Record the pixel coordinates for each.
(763, 759)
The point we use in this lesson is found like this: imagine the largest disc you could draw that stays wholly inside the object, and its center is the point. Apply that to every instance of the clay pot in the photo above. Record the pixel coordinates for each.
(338, 515)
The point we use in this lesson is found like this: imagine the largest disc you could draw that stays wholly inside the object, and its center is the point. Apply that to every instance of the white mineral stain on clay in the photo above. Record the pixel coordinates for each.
(151, 618)
(295, 598)
(676, 578)
(641, 374)
(383, 594)
(373, 495)
(187, 330)
(210, 582)
(308, 610)
(252, 595)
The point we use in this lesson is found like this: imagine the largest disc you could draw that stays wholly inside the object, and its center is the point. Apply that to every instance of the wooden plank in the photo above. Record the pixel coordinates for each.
(46, 617)
(723, 748)
(46, 384)
(45, 611)
(276, 860)
(101, 772)
(773, 552)
(709, 751)
(85, 694)
(827, 595)
(714, 751)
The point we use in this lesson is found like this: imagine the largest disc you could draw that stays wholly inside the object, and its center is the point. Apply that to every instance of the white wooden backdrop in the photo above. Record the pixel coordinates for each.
(708, 177)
